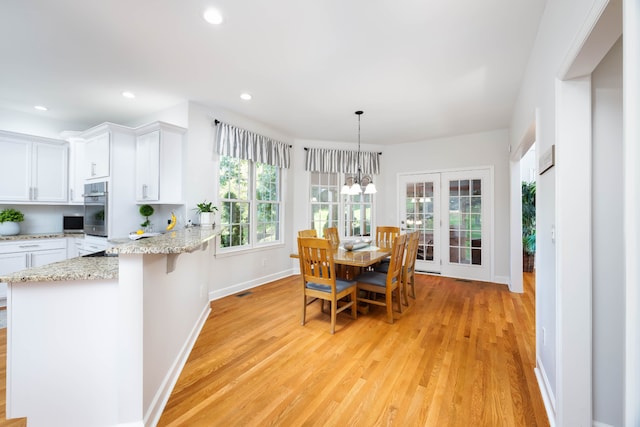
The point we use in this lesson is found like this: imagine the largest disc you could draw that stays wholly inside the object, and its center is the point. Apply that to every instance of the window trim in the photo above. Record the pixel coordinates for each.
(253, 245)
(342, 206)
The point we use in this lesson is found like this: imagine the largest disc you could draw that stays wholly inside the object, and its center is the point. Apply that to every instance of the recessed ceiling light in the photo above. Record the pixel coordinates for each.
(40, 108)
(246, 96)
(212, 16)
(129, 95)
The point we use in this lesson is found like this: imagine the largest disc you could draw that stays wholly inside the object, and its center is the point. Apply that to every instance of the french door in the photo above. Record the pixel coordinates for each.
(452, 212)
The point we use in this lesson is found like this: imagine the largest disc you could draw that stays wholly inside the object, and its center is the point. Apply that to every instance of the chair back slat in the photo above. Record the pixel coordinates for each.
(396, 258)
(308, 233)
(387, 233)
(411, 251)
(332, 234)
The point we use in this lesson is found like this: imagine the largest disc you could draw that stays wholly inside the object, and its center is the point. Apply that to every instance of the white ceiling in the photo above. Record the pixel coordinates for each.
(418, 68)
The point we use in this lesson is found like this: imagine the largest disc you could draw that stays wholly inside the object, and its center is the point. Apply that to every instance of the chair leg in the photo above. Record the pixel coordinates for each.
(389, 302)
(304, 308)
(354, 303)
(413, 285)
(405, 285)
(334, 307)
(398, 297)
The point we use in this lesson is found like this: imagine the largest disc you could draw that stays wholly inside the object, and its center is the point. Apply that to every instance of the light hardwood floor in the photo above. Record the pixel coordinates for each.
(462, 355)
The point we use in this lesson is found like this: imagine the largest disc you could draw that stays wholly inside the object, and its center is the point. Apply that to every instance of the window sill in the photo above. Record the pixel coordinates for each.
(224, 253)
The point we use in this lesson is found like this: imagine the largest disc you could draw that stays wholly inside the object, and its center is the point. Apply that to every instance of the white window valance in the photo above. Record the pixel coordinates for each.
(341, 161)
(236, 142)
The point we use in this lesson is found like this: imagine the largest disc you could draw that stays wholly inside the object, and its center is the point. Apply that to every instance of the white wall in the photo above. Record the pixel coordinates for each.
(608, 242)
(529, 165)
(462, 151)
(560, 23)
(562, 35)
(38, 124)
(231, 273)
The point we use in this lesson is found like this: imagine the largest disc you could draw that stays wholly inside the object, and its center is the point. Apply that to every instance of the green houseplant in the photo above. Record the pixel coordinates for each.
(146, 211)
(207, 211)
(528, 225)
(9, 219)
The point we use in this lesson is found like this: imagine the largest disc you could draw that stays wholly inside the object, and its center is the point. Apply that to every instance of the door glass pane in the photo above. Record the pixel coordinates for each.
(465, 221)
(419, 216)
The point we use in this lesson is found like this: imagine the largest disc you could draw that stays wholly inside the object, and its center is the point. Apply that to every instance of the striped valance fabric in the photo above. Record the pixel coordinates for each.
(235, 142)
(341, 161)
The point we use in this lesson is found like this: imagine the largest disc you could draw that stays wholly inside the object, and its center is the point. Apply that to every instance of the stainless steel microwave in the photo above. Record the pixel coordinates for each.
(72, 224)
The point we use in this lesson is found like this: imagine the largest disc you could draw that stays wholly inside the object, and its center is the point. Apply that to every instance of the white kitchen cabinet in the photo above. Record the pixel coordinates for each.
(89, 245)
(148, 166)
(159, 153)
(17, 255)
(77, 170)
(34, 169)
(97, 152)
(115, 166)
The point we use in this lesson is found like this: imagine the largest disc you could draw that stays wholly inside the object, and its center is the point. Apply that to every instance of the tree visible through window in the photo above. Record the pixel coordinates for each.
(249, 195)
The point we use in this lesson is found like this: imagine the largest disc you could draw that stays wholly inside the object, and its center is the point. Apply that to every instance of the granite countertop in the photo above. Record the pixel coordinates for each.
(79, 268)
(94, 268)
(54, 235)
(171, 242)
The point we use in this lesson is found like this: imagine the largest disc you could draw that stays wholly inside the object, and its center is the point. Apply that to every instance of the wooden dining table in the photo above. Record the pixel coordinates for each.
(358, 259)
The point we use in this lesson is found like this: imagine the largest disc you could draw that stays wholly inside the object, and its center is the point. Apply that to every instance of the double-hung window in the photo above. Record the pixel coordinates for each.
(250, 190)
(352, 215)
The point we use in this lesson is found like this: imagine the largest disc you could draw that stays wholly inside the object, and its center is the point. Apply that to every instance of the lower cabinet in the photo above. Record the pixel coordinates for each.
(89, 245)
(16, 255)
(20, 254)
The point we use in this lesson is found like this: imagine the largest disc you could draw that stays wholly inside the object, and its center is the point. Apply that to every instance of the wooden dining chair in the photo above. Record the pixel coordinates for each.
(319, 279)
(387, 233)
(374, 283)
(408, 268)
(331, 233)
(308, 233)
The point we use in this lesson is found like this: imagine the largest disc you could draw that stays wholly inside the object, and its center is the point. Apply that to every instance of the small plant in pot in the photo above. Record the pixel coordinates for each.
(9, 222)
(146, 211)
(207, 213)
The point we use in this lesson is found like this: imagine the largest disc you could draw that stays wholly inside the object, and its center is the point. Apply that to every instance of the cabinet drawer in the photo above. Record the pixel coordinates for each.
(32, 245)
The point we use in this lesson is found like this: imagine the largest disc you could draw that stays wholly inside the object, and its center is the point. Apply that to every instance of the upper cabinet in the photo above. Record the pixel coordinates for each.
(96, 154)
(34, 169)
(159, 153)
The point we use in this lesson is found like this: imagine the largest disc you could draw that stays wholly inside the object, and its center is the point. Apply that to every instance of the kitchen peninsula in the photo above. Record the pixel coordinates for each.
(101, 340)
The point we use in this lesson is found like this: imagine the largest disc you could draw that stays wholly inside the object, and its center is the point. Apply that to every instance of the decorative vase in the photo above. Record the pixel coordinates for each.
(9, 228)
(206, 219)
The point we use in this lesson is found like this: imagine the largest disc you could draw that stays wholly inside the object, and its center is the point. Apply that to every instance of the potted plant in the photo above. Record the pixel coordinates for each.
(9, 219)
(528, 226)
(207, 214)
(146, 211)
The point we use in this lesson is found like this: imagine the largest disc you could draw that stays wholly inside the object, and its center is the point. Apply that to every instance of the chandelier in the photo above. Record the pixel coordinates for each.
(355, 185)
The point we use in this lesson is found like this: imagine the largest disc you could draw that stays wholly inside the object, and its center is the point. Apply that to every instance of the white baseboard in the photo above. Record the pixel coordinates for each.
(546, 391)
(164, 391)
(503, 280)
(234, 289)
(599, 424)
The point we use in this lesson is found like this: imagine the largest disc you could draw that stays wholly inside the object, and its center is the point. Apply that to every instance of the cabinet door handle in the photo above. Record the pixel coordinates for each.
(71, 194)
(35, 193)
(30, 193)
(144, 191)
(93, 169)
(28, 246)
